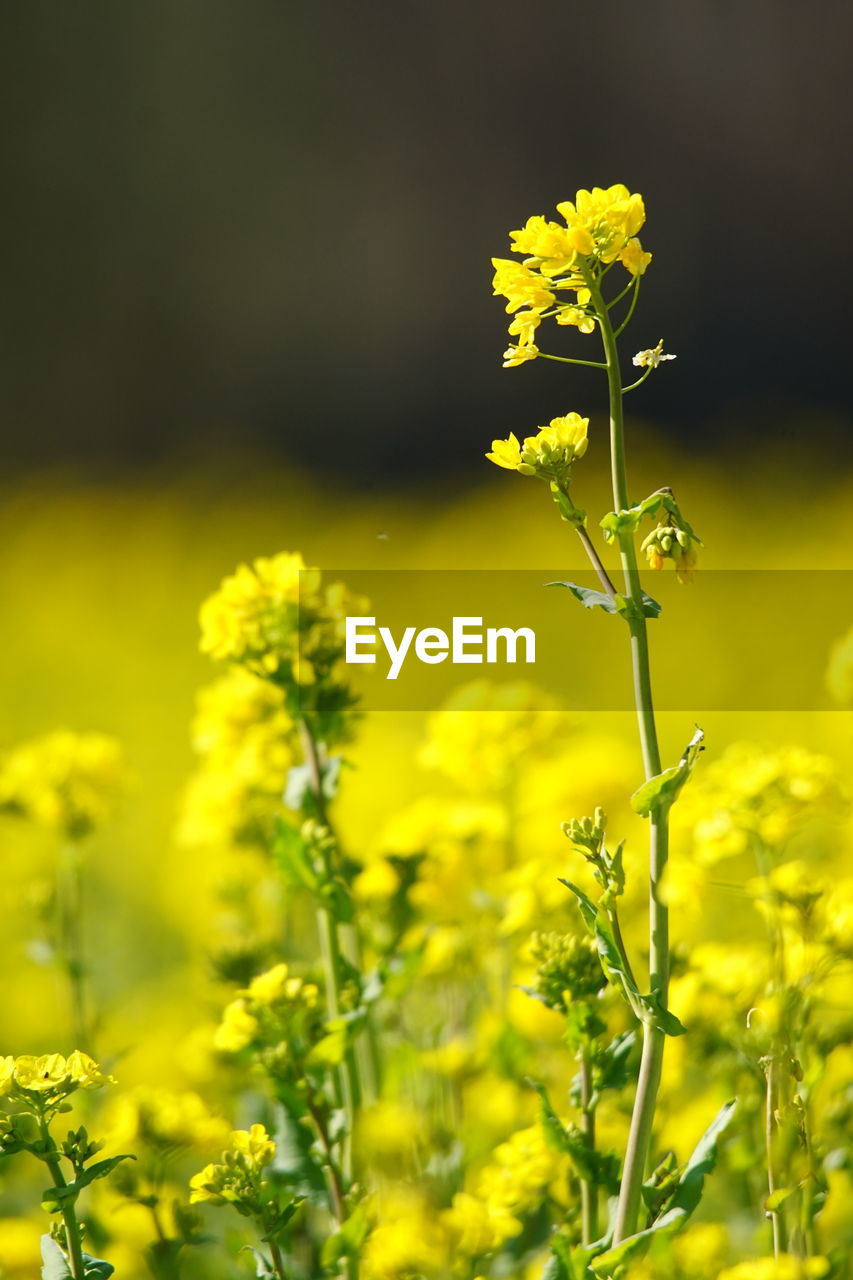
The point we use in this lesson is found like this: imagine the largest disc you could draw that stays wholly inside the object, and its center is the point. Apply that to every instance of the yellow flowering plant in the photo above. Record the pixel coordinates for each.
(34, 1091)
(565, 276)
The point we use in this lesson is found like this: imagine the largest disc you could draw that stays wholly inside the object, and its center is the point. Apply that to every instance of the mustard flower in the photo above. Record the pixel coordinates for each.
(67, 781)
(279, 1015)
(277, 619)
(238, 1179)
(549, 454)
(51, 1076)
(520, 355)
(653, 357)
(599, 227)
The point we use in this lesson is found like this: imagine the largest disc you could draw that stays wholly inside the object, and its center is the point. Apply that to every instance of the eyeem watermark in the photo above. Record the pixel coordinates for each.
(468, 642)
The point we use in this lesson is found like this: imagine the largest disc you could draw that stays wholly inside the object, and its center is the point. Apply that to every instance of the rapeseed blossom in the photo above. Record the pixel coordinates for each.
(549, 454)
(599, 228)
(65, 781)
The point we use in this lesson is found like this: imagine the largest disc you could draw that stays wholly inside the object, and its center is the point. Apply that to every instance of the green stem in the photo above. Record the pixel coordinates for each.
(590, 364)
(330, 946)
(639, 382)
(277, 1260)
(72, 1226)
(589, 1190)
(777, 1218)
(629, 313)
(642, 1120)
(776, 1075)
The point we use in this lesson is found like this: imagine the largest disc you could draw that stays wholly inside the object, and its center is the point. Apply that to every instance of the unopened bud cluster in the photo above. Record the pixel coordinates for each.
(671, 542)
(568, 969)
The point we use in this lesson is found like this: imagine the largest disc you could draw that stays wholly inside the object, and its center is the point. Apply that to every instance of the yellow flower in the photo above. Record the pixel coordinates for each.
(270, 986)
(520, 286)
(65, 780)
(549, 453)
(202, 1186)
(7, 1074)
(506, 453)
(378, 881)
(634, 258)
(85, 1072)
(576, 316)
(255, 1144)
(46, 1074)
(519, 355)
(524, 327)
(237, 1029)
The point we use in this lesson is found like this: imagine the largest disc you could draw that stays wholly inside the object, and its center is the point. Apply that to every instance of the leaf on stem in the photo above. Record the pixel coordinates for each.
(55, 1264)
(591, 599)
(593, 1166)
(662, 790)
(688, 1193)
(647, 1008)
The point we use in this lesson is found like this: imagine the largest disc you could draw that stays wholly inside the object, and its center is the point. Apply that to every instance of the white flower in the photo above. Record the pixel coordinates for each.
(651, 359)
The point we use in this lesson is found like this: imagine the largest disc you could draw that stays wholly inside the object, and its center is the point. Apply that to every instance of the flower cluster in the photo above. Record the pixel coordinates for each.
(245, 1180)
(278, 1014)
(49, 1079)
(599, 227)
(523, 1173)
(245, 742)
(276, 619)
(235, 1180)
(670, 541)
(66, 781)
(567, 969)
(549, 454)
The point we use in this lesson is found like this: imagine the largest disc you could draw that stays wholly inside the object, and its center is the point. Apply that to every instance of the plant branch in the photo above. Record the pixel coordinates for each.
(69, 1216)
(589, 1190)
(590, 364)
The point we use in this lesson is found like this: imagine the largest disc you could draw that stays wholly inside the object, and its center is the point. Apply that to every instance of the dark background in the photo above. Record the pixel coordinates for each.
(268, 224)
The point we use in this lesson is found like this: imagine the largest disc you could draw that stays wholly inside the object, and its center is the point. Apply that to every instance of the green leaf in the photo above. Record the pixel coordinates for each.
(612, 963)
(330, 1051)
(662, 790)
(702, 1161)
(263, 1268)
(588, 909)
(556, 1269)
(99, 1170)
(53, 1197)
(658, 1016)
(55, 1265)
(649, 607)
(590, 599)
(96, 1268)
(778, 1198)
(602, 1170)
(347, 1242)
(293, 857)
(687, 1195)
(613, 1065)
(282, 1218)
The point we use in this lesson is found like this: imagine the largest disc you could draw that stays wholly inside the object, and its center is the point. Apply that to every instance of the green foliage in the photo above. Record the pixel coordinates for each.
(662, 791)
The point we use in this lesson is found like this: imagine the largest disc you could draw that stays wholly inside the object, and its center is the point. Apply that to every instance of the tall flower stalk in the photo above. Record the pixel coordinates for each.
(563, 277)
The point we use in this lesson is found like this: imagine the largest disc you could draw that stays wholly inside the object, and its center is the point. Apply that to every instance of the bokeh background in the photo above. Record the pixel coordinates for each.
(268, 224)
